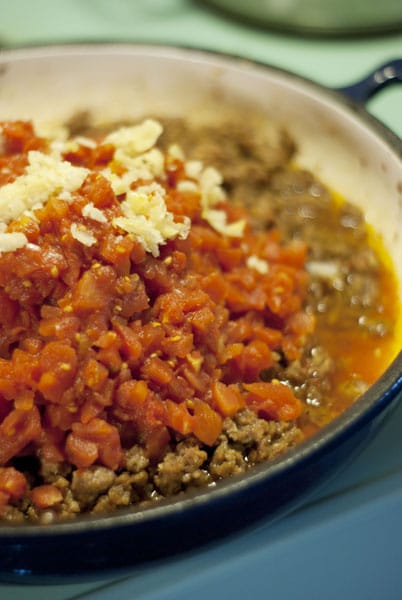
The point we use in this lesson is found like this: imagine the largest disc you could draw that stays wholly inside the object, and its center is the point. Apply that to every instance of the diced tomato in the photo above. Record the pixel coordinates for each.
(301, 323)
(81, 452)
(207, 423)
(138, 253)
(155, 441)
(8, 309)
(12, 483)
(179, 417)
(215, 286)
(157, 370)
(202, 319)
(177, 345)
(179, 262)
(240, 299)
(111, 358)
(51, 445)
(89, 410)
(58, 365)
(25, 369)
(273, 400)
(97, 189)
(255, 357)
(184, 203)
(229, 258)
(90, 441)
(101, 156)
(95, 375)
(293, 253)
(131, 346)
(179, 388)
(61, 417)
(19, 136)
(17, 430)
(60, 327)
(46, 496)
(133, 296)
(95, 289)
(227, 399)
(132, 394)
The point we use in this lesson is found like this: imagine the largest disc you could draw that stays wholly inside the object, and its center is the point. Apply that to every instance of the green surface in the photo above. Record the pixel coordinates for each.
(330, 61)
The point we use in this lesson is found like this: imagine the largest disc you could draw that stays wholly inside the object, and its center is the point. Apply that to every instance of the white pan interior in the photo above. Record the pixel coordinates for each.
(114, 82)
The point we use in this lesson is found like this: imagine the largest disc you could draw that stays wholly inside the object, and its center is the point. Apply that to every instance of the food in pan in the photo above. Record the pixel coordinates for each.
(172, 315)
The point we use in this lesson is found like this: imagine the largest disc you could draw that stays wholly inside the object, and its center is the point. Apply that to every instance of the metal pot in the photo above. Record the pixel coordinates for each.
(336, 17)
(337, 139)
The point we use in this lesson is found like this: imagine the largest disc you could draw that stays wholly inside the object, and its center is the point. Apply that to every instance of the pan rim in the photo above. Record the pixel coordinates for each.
(379, 396)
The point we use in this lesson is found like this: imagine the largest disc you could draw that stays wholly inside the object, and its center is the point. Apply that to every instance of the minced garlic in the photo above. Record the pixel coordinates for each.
(90, 211)
(12, 241)
(258, 264)
(45, 175)
(144, 212)
(136, 139)
(82, 235)
(146, 217)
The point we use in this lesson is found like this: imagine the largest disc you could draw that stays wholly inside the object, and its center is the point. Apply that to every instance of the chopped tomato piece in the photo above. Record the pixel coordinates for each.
(130, 343)
(179, 417)
(254, 358)
(95, 375)
(132, 394)
(273, 400)
(157, 370)
(81, 452)
(96, 439)
(207, 424)
(46, 496)
(227, 399)
(58, 365)
(95, 289)
(12, 483)
(17, 430)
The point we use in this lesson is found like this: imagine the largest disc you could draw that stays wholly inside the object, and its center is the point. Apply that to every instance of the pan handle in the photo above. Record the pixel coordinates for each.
(363, 90)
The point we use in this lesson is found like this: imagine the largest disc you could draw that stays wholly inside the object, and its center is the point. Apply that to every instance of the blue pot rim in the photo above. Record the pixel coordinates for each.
(375, 401)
